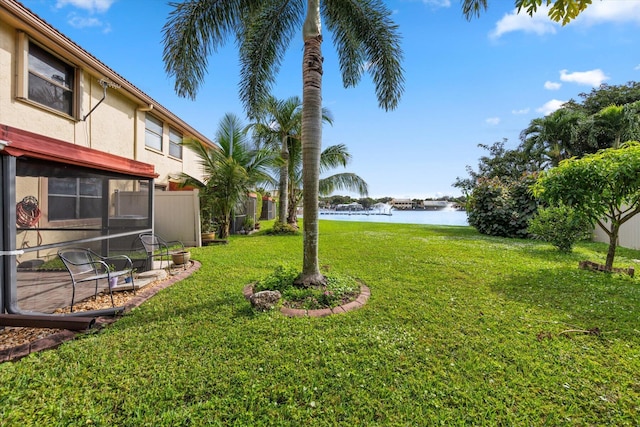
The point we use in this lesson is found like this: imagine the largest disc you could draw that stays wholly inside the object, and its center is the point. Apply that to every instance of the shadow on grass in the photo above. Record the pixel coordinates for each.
(586, 299)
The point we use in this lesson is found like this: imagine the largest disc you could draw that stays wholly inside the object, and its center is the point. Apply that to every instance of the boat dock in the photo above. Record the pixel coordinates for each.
(354, 213)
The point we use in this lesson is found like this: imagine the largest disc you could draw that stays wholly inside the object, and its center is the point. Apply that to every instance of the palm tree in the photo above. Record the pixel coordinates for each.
(230, 170)
(554, 137)
(332, 157)
(616, 124)
(281, 121)
(366, 39)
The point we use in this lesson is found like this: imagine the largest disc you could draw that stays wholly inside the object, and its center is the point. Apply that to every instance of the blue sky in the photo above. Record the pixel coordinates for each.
(466, 82)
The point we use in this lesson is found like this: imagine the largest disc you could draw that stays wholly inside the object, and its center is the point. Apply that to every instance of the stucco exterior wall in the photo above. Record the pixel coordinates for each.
(116, 126)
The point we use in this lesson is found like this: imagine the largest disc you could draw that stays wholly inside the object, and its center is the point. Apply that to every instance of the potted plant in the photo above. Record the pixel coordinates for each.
(248, 224)
(181, 258)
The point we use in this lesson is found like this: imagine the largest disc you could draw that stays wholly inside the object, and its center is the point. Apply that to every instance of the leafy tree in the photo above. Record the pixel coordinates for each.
(605, 95)
(230, 170)
(362, 31)
(560, 11)
(499, 163)
(604, 187)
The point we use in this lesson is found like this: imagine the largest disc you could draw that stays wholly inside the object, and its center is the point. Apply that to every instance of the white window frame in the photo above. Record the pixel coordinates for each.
(175, 143)
(153, 139)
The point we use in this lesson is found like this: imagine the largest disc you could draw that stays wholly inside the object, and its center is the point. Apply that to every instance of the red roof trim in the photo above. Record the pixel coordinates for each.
(23, 143)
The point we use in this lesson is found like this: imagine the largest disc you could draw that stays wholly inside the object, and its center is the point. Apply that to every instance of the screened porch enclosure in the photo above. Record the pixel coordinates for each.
(59, 195)
(64, 205)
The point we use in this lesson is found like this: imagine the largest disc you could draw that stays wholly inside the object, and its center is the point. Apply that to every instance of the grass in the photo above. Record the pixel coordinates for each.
(460, 329)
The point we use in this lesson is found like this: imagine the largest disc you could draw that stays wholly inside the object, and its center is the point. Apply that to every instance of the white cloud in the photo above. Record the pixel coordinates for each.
(592, 78)
(92, 6)
(637, 67)
(81, 22)
(538, 24)
(596, 13)
(550, 106)
(552, 85)
(493, 121)
(437, 3)
(520, 112)
(609, 11)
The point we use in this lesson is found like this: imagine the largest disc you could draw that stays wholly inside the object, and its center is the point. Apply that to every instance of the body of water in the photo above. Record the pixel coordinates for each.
(443, 217)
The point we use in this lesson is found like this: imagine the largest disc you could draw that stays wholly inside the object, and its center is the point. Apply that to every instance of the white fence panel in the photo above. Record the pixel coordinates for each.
(177, 216)
(629, 236)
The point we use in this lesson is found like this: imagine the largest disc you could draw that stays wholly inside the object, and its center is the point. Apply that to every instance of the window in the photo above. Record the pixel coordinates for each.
(75, 198)
(51, 81)
(175, 141)
(153, 133)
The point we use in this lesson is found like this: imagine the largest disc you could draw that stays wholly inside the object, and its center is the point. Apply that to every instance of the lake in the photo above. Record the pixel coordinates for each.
(443, 217)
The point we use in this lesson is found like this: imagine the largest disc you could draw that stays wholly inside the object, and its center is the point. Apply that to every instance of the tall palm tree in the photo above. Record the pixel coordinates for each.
(366, 40)
(281, 121)
(230, 170)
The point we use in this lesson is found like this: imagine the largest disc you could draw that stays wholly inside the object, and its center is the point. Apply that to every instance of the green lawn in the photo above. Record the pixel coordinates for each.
(460, 329)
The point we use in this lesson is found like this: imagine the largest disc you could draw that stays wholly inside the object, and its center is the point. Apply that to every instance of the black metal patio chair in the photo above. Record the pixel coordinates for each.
(86, 266)
(158, 248)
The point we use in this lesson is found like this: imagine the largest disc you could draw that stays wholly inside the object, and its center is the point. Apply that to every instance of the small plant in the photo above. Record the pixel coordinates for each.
(561, 226)
(281, 279)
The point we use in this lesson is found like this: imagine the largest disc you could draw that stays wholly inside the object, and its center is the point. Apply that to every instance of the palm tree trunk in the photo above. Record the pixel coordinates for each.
(292, 216)
(311, 148)
(283, 185)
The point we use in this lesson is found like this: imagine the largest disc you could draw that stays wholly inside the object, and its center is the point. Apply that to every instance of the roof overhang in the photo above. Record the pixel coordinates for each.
(18, 143)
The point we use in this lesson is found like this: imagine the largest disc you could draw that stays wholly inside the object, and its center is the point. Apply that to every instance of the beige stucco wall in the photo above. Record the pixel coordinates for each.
(116, 126)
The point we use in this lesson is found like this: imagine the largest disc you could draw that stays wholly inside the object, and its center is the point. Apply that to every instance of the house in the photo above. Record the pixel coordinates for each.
(83, 151)
(402, 204)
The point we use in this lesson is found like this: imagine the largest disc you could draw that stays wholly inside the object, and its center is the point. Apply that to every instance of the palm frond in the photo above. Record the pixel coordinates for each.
(334, 156)
(367, 40)
(262, 48)
(343, 181)
(193, 31)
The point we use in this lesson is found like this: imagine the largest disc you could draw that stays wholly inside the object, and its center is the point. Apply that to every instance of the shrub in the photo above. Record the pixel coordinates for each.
(561, 226)
(502, 208)
(280, 228)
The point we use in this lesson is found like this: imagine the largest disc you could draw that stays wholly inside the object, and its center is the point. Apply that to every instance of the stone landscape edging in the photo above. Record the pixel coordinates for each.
(362, 299)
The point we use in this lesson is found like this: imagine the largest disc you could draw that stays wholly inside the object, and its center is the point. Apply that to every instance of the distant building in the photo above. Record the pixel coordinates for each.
(402, 204)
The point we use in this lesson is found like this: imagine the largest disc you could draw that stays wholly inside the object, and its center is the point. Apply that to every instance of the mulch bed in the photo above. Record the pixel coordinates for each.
(16, 342)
